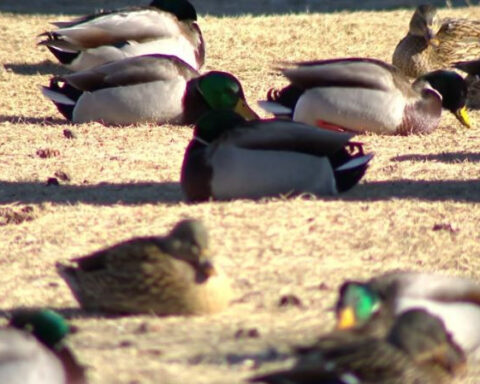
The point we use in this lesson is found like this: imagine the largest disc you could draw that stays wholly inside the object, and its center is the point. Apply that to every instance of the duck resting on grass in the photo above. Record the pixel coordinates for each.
(433, 43)
(455, 300)
(367, 95)
(155, 88)
(166, 27)
(32, 350)
(170, 275)
(416, 350)
(230, 158)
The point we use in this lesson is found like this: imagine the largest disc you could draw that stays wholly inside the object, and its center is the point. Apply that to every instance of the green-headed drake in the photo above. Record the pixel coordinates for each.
(156, 88)
(417, 349)
(455, 300)
(230, 158)
(472, 68)
(170, 275)
(165, 27)
(32, 350)
(367, 95)
(433, 43)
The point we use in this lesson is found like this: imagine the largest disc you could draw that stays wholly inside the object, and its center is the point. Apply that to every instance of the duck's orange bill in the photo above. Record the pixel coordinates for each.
(346, 318)
(245, 111)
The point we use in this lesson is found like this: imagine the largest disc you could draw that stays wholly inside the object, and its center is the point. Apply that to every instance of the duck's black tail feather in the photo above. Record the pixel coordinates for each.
(63, 95)
(349, 168)
(286, 97)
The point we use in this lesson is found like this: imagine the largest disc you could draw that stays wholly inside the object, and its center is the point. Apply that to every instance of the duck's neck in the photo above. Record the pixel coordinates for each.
(423, 116)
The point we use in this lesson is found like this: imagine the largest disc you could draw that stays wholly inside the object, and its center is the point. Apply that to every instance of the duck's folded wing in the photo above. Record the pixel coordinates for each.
(351, 72)
(113, 28)
(130, 71)
(289, 136)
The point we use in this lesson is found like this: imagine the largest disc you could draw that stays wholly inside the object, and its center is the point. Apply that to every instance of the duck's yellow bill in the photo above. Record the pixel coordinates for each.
(434, 42)
(462, 116)
(346, 318)
(245, 111)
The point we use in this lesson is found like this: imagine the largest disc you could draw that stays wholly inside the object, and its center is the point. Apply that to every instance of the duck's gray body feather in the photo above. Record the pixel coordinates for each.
(129, 104)
(455, 300)
(244, 173)
(23, 360)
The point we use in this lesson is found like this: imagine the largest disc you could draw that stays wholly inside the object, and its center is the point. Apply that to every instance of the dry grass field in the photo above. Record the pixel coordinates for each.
(417, 208)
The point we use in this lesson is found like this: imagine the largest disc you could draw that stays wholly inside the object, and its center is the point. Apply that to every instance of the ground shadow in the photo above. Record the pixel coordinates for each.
(447, 157)
(68, 313)
(43, 68)
(441, 190)
(220, 7)
(17, 119)
(99, 194)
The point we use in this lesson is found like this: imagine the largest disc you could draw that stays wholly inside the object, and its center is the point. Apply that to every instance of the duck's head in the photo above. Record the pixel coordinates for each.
(453, 89)
(182, 9)
(214, 123)
(425, 23)
(356, 305)
(46, 325)
(188, 241)
(222, 91)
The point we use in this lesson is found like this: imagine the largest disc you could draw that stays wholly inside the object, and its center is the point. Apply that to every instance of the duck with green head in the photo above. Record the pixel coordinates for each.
(32, 350)
(416, 349)
(163, 275)
(434, 43)
(376, 302)
(156, 88)
(367, 95)
(165, 27)
(230, 158)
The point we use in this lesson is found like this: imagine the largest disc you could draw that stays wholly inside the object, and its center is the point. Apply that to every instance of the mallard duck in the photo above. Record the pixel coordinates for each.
(32, 350)
(456, 300)
(167, 27)
(417, 350)
(171, 275)
(157, 88)
(367, 95)
(433, 43)
(229, 158)
(472, 68)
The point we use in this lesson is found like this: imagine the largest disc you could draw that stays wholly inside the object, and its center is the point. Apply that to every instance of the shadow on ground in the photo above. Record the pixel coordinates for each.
(43, 68)
(447, 157)
(220, 7)
(441, 190)
(68, 313)
(17, 119)
(100, 194)
(170, 192)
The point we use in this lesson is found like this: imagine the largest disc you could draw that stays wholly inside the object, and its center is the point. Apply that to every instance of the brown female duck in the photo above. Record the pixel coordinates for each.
(433, 43)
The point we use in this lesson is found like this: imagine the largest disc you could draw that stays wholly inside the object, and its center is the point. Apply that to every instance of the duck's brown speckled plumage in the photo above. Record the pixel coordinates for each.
(443, 42)
(168, 275)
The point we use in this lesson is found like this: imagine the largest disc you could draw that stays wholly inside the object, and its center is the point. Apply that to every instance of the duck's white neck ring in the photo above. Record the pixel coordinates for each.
(201, 141)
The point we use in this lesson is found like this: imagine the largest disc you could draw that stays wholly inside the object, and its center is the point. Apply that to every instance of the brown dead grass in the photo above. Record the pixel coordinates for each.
(417, 208)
